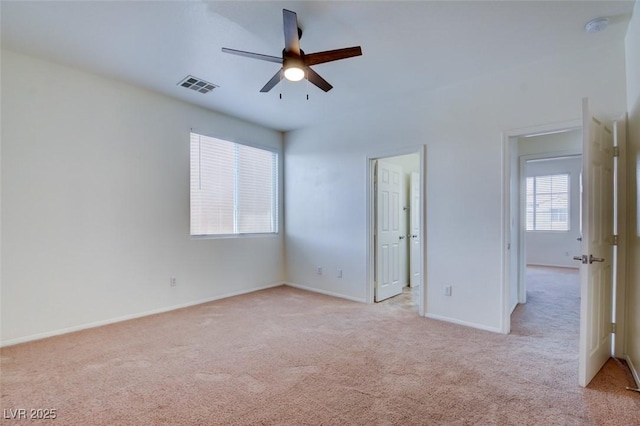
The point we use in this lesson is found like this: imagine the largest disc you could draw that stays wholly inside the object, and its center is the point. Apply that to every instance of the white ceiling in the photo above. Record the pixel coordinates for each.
(407, 46)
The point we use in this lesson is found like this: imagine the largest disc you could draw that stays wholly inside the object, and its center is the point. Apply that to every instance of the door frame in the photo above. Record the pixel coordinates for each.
(620, 306)
(510, 146)
(370, 218)
(620, 177)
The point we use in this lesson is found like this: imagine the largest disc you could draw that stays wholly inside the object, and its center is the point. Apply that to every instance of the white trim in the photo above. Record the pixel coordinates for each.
(325, 292)
(575, 124)
(95, 324)
(504, 296)
(634, 372)
(622, 302)
(464, 323)
(513, 308)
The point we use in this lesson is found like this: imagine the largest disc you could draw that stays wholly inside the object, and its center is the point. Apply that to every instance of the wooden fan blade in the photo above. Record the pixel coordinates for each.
(253, 55)
(332, 55)
(291, 37)
(314, 78)
(274, 80)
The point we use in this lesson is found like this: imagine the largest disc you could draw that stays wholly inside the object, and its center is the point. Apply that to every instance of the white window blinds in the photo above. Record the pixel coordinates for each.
(234, 188)
(548, 203)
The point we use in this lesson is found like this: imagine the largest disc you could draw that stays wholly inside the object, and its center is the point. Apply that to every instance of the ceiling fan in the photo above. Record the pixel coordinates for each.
(296, 64)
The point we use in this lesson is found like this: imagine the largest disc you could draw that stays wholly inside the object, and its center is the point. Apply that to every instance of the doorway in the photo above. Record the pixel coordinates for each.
(552, 206)
(563, 141)
(395, 211)
(601, 139)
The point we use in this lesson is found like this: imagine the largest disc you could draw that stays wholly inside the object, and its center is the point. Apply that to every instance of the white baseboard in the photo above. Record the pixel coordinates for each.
(58, 332)
(465, 323)
(325, 292)
(634, 371)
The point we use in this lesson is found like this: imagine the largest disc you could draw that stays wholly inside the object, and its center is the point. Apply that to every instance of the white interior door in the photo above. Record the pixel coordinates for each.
(415, 263)
(404, 229)
(388, 232)
(597, 246)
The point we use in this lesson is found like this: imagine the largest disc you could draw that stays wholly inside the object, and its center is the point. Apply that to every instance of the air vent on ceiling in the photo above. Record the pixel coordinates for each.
(197, 84)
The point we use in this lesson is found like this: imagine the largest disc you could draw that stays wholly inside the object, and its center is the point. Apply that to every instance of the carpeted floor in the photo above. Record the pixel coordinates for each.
(287, 357)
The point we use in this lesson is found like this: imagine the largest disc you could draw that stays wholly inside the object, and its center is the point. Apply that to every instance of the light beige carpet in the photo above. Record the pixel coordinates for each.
(288, 357)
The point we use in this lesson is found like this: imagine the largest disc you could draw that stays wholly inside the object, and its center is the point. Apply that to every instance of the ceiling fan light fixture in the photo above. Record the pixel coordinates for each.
(294, 73)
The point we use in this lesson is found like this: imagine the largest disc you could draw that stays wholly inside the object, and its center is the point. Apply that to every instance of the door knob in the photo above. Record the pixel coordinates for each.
(579, 238)
(590, 259)
(595, 259)
(414, 236)
(401, 237)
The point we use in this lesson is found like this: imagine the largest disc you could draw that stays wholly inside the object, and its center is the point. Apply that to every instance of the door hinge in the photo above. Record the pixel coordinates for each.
(615, 240)
(613, 327)
(616, 151)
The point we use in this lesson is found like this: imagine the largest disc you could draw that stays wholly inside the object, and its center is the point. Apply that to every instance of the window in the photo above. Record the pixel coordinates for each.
(234, 188)
(548, 203)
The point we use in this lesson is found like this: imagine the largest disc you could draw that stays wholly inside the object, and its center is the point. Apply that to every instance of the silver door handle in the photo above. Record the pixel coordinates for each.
(401, 237)
(595, 259)
(582, 259)
(414, 236)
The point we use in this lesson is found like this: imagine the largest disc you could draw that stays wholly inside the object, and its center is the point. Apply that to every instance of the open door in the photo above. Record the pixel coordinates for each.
(415, 263)
(388, 282)
(597, 246)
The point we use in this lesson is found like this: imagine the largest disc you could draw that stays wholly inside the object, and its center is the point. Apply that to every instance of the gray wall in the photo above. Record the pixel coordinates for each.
(95, 204)
(462, 128)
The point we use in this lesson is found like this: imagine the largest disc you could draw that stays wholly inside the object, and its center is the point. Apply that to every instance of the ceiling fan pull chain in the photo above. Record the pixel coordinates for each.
(306, 77)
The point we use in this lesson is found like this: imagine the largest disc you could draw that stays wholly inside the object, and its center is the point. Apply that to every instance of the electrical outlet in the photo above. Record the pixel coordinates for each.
(339, 273)
(319, 270)
(173, 282)
(447, 290)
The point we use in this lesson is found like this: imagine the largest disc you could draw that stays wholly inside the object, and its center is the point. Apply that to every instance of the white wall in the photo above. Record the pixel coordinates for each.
(95, 203)
(557, 248)
(633, 140)
(461, 126)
